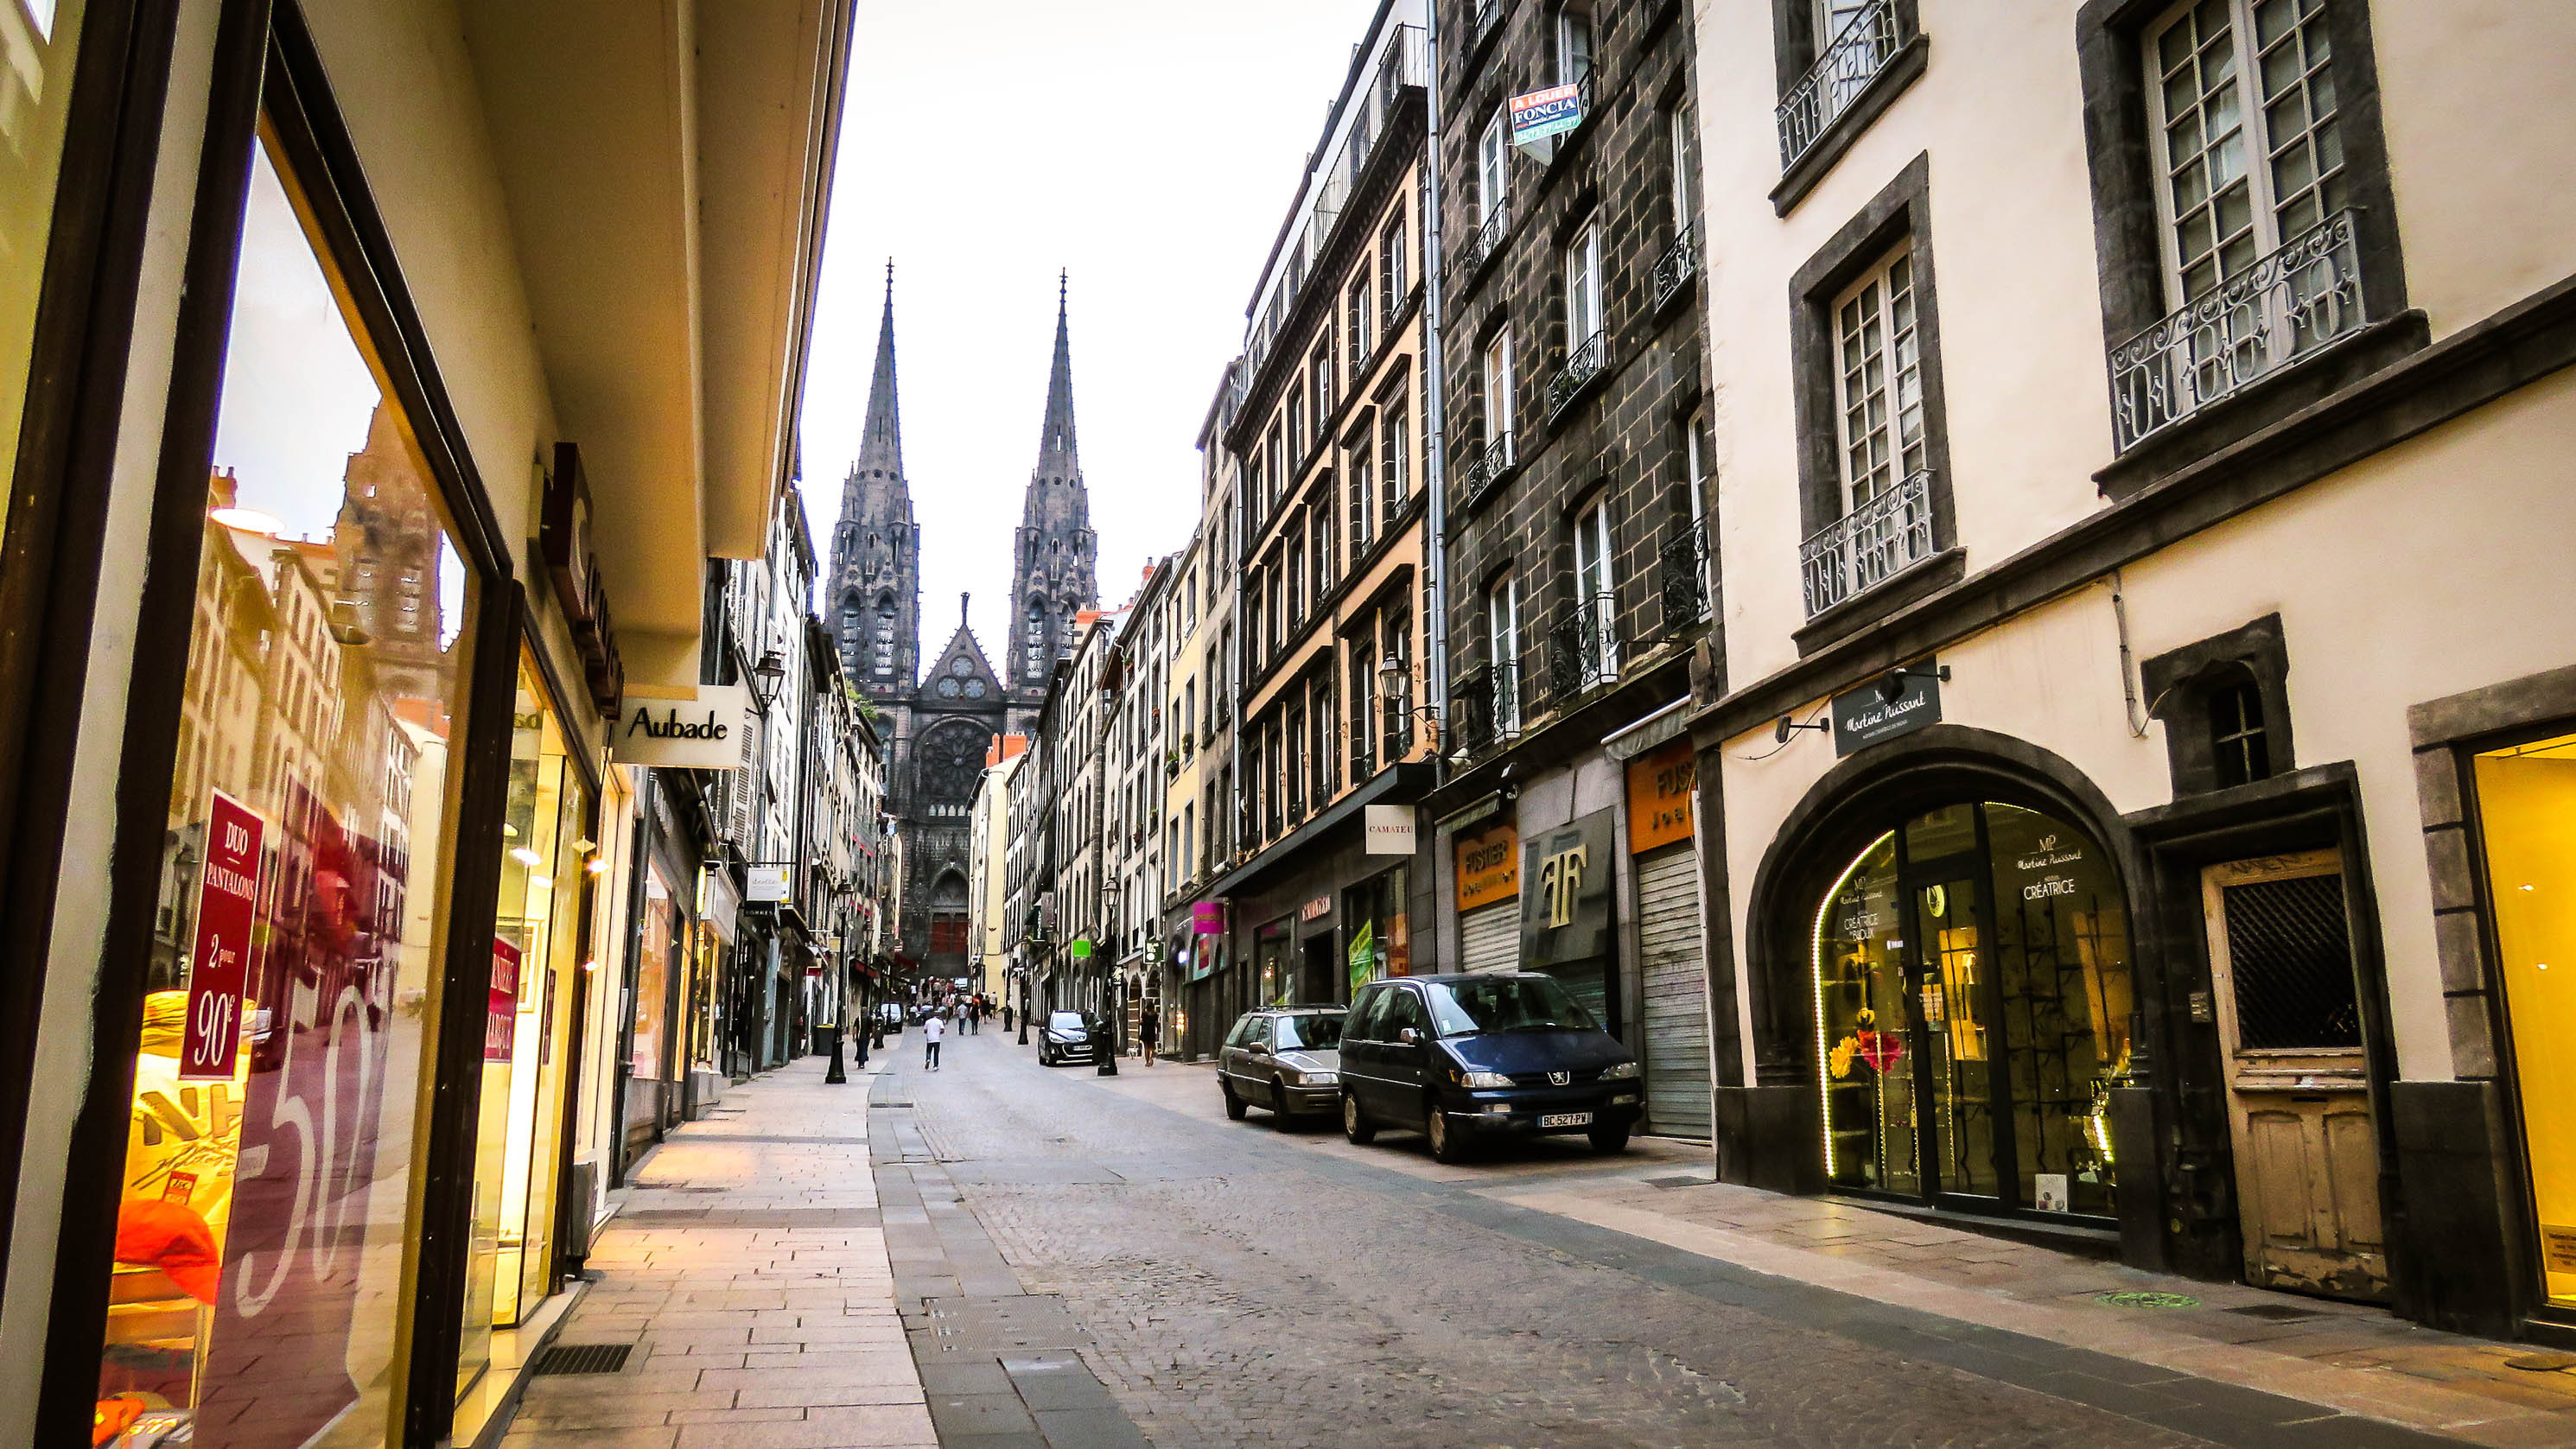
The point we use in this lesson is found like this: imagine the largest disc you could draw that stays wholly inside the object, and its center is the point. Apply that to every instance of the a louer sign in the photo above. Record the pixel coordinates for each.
(700, 734)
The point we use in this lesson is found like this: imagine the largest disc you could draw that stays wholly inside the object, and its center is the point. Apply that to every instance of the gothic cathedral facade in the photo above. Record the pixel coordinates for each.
(941, 722)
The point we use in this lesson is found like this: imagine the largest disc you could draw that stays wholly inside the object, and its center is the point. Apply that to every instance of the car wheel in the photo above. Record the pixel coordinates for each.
(1279, 1101)
(1045, 1058)
(1609, 1140)
(1447, 1145)
(1355, 1123)
(1235, 1106)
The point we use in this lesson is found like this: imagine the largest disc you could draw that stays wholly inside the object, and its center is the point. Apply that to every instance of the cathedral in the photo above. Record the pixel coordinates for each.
(939, 723)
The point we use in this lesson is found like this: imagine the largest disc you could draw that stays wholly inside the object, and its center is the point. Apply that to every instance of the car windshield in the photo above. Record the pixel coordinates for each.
(1320, 1033)
(1064, 1021)
(1504, 1003)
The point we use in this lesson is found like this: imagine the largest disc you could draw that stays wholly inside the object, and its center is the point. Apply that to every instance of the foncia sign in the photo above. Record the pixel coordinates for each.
(705, 733)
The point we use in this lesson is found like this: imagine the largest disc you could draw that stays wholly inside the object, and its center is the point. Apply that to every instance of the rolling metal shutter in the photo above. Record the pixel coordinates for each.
(1676, 986)
(1489, 937)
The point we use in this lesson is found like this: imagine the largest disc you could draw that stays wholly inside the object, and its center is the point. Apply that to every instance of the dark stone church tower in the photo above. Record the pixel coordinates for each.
(939, 725)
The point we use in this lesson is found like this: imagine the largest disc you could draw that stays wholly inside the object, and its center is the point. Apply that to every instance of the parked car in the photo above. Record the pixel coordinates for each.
(1468, 1058)
(1070, 1036)
(1287, 1059)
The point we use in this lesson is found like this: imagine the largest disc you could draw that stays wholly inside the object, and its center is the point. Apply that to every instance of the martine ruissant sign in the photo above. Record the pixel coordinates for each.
(1866, 716)
(701, 734)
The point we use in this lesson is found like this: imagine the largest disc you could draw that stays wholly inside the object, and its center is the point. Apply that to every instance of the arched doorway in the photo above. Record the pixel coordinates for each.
(1970, 976)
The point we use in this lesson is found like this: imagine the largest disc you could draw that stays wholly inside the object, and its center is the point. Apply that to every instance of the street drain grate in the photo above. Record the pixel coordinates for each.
(584, 1358)
(2277, 1312)
(2147, 1300)
(1686, 1180)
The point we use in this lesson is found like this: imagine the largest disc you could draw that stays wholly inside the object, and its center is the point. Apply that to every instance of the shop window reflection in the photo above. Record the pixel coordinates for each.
(256, 1298)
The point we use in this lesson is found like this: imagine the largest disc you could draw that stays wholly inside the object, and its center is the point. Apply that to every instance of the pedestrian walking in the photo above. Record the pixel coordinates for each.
(933, 1028)
(975, 1017)
(1006, 1016)
(1148, 1027)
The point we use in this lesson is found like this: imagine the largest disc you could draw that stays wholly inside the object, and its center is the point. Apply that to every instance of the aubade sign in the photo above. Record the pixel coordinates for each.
(701, 734)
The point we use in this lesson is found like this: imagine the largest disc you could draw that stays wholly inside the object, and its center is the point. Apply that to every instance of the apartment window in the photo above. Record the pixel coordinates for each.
(1325, 759)
(1395, 464)
(1355, 324)
(1296, 439)
(1300, 585)
(1395, 642)
(1583, 286)
(2236, 735)
(2248, 146)
(1573, 44)
(1878, 387)
(1319, 381)
(1682, 148)
(1498, 394)
(1493, 152)
(1278, 604)
(1503, 638)
(1320, 535)
(1391, 280)
(1362, 697)
(1293, 757)
(1595, 594)
(1363, 507)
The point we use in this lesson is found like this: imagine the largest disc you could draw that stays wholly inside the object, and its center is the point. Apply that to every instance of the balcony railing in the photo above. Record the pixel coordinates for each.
(1583, 649)
(1870, 545)
(1582, 365)
(1474, 248)
(1680, 264)
(1483, 469)
(1846, 66)
(1487, 707)
(1487, 12)
(2288, 306)
(1685, 580)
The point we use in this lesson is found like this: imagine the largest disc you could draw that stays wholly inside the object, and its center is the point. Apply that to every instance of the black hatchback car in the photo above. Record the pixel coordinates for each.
(1070, 1036)
(1466, 1058)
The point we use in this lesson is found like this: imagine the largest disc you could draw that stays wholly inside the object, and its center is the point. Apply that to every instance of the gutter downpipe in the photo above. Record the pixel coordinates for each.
(1435, 411)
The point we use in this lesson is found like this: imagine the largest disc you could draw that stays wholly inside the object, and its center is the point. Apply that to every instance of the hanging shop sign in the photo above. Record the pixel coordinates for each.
(1565, 914)
(501, 1018)
(564, 543)
(1660, 787)
(1081, 950)
(1897, 703)
(219, 968)
(765, 884)
(1390, 829)
(704, 733)
(1489, 866)
(1207, 918)
(1540, 115)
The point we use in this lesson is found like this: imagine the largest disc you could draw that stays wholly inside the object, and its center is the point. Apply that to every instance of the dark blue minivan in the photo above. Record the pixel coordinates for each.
(1465, 1058)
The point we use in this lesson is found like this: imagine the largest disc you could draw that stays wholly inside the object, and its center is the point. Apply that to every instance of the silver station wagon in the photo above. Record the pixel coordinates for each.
(1285, 1058)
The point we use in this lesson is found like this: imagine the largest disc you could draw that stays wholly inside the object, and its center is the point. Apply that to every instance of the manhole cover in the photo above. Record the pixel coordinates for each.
(2277, 1312)
(584, 1358)
(1683, 1181)
(2147, 1300)
(2542, 1363)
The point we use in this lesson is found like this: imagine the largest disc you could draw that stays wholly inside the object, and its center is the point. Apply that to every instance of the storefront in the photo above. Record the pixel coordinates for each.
(1489, 892)
(1672, 981)
(1377, 925)
(2526, 796)
(1568, 916)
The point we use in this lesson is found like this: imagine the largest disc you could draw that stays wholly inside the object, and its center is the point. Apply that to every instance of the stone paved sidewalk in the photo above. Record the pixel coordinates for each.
(2349, 1357)
(747, 1268)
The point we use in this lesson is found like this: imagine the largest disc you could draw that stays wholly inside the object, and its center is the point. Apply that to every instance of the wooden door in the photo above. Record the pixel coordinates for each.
(2289, 1022)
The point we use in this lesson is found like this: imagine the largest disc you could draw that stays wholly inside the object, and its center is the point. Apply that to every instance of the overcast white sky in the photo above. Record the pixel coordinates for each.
(1152, 146)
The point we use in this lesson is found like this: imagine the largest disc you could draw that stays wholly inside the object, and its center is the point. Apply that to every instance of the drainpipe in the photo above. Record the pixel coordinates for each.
(1435, 448)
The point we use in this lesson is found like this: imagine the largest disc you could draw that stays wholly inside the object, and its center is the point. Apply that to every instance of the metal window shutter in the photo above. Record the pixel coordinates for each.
(1489, 937)
(1676, 987)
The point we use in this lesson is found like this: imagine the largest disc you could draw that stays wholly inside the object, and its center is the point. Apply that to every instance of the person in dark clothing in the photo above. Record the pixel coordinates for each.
(1149, 1027)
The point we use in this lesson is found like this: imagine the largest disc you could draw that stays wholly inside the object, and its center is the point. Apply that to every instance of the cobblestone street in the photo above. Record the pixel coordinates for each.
(1237, 1283)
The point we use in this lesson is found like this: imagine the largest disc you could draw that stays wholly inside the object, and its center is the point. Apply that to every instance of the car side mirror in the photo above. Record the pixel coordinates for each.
(1409, 1037)
(1258, 1049)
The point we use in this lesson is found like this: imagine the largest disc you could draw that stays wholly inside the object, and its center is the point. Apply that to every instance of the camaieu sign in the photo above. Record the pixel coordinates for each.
(700, 734)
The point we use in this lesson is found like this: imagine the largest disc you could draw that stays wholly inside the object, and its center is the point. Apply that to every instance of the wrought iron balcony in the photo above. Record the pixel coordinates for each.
(1486, 707)
(1583, 649)
(1845, 67)
(1685, 581)
(1487, 13)
(2289, 306)
(1473, 250)
(1869, 545)
(1484, 469)
(1679, 266)
(1582, 365)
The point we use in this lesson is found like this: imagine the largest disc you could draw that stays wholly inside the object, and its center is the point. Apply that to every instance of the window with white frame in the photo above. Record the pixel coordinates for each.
(1498, 394)
(1596, 603)
(1503, 638)
(1355, 324)
(1682, 142)
(1878, 380)
(1391, 278)
(1573, 44)
(2248, 148)
(1583, 286)
(1832, 16)
(1493, 152)
(1363, 506)
(1395, 464)
(1695, 455)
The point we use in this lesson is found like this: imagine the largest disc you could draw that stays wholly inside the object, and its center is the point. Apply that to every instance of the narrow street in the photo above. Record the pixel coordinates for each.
(1237, 1283)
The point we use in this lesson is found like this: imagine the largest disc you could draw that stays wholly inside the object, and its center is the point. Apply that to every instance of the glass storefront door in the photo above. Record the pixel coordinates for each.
(257, 1298)
(2527, 817)
(1972, 1004)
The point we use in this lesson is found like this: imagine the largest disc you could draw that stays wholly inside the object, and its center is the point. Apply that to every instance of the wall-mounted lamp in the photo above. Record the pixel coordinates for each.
(1789, 725)
(1891, 685)
(767, 676)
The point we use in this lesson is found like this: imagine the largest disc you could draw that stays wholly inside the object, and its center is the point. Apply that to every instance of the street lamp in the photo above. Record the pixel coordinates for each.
(767, 676)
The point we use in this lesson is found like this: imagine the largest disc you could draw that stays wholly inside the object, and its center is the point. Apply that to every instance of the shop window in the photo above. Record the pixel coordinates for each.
(268, 1178)
(2526, 802)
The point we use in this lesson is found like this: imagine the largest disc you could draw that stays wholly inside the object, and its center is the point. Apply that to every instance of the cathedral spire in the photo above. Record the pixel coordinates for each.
(881, 441)
(1058, 459)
